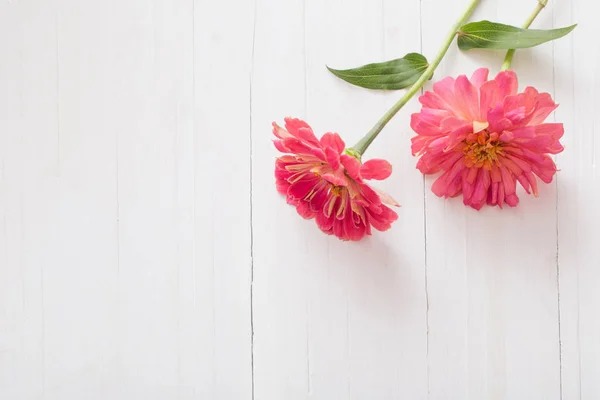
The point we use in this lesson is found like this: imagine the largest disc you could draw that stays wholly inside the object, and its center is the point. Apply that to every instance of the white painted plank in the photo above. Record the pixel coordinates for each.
(80, 276)
(29, 191)
(577, 65)
(493, 323)
(93, 94)
(146, 113)
(333, 319)
(281, 241)
(185, 139)
(221, 359)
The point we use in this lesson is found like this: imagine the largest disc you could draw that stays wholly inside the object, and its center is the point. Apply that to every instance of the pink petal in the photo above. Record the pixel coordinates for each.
(446, 184)
(302, 187)
(330, 205)
(279, 131)
(370, 195)
(489, 97)
(419, 143)
(524, 183)
(467, 97)
(522, 164)
(512, 166)
(495, 174)
(439, 144)
(320, 197)
(325, 222)
(468, 187)
(433, 162)
(282, 173)
(332, 157)
(300, 129)
(338, 229)
(307, 135)
(336, 177)
(512, 200)
(501, 194)
(385, 198)
(304, 210)
(479, 77)
(540, 114)
(517, 116)
(433, 101)
(422, 126)
(353, 231)
(506, 136)
(554, 130)
(445, 90)
(434, 116)
(471, 174)
(352, 166)
(493, 194)
(541, 164)
(344, 206)
(454, 187)
(479, 126)
(508, 84)
(297, 146)
(376, 169)
(457, 129)
(292, 200)
(532, 182)
(282, 186)
(508, 181)
(440, 186)
(481, 187)
(543, 108)
(382, 221)
(279, 146)
(523, 132)
(520, 107)
(334, 141)
(496, 119)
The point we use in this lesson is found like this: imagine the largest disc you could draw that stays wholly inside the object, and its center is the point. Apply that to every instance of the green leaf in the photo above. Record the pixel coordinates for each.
(491, 35)
(390, 75)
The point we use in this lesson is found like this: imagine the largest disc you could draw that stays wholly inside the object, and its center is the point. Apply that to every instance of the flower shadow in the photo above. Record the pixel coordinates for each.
(378, 278)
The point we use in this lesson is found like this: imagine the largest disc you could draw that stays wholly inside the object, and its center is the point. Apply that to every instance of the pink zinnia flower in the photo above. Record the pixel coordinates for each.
(485, 137)
(325, 183)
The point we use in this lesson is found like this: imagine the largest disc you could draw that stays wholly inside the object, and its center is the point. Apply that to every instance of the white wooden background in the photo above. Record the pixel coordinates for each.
(145, 254)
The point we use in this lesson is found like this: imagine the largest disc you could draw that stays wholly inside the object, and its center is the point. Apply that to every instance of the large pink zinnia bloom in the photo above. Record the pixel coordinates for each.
(325, 183)
(485, 137)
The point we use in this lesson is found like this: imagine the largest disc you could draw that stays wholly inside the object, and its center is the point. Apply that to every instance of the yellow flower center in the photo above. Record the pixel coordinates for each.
(482, 149)
(336, 190)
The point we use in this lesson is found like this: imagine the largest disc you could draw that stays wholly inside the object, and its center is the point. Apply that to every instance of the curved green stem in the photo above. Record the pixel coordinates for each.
(510, 53)
(360, 147)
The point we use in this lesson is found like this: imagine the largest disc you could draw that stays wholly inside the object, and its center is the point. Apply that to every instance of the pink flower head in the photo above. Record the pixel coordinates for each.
(325, 183)
(485, 137)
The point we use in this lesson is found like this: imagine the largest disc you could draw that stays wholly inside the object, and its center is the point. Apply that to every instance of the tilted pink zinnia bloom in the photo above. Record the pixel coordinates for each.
(485, 137)
(325, 183)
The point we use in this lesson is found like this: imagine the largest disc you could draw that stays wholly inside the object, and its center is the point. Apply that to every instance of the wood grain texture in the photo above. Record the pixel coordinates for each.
(331, 315)
(223, 211)
(577, 84)
(30, 205)
(493, 320)
(145, 254)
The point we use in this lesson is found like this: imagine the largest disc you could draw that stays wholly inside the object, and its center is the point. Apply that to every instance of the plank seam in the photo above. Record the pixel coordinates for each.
(560, 361)
(251, 211)
(427, 365)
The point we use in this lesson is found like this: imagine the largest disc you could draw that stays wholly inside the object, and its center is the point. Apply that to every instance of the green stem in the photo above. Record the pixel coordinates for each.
(359, 148)
(509, 55)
